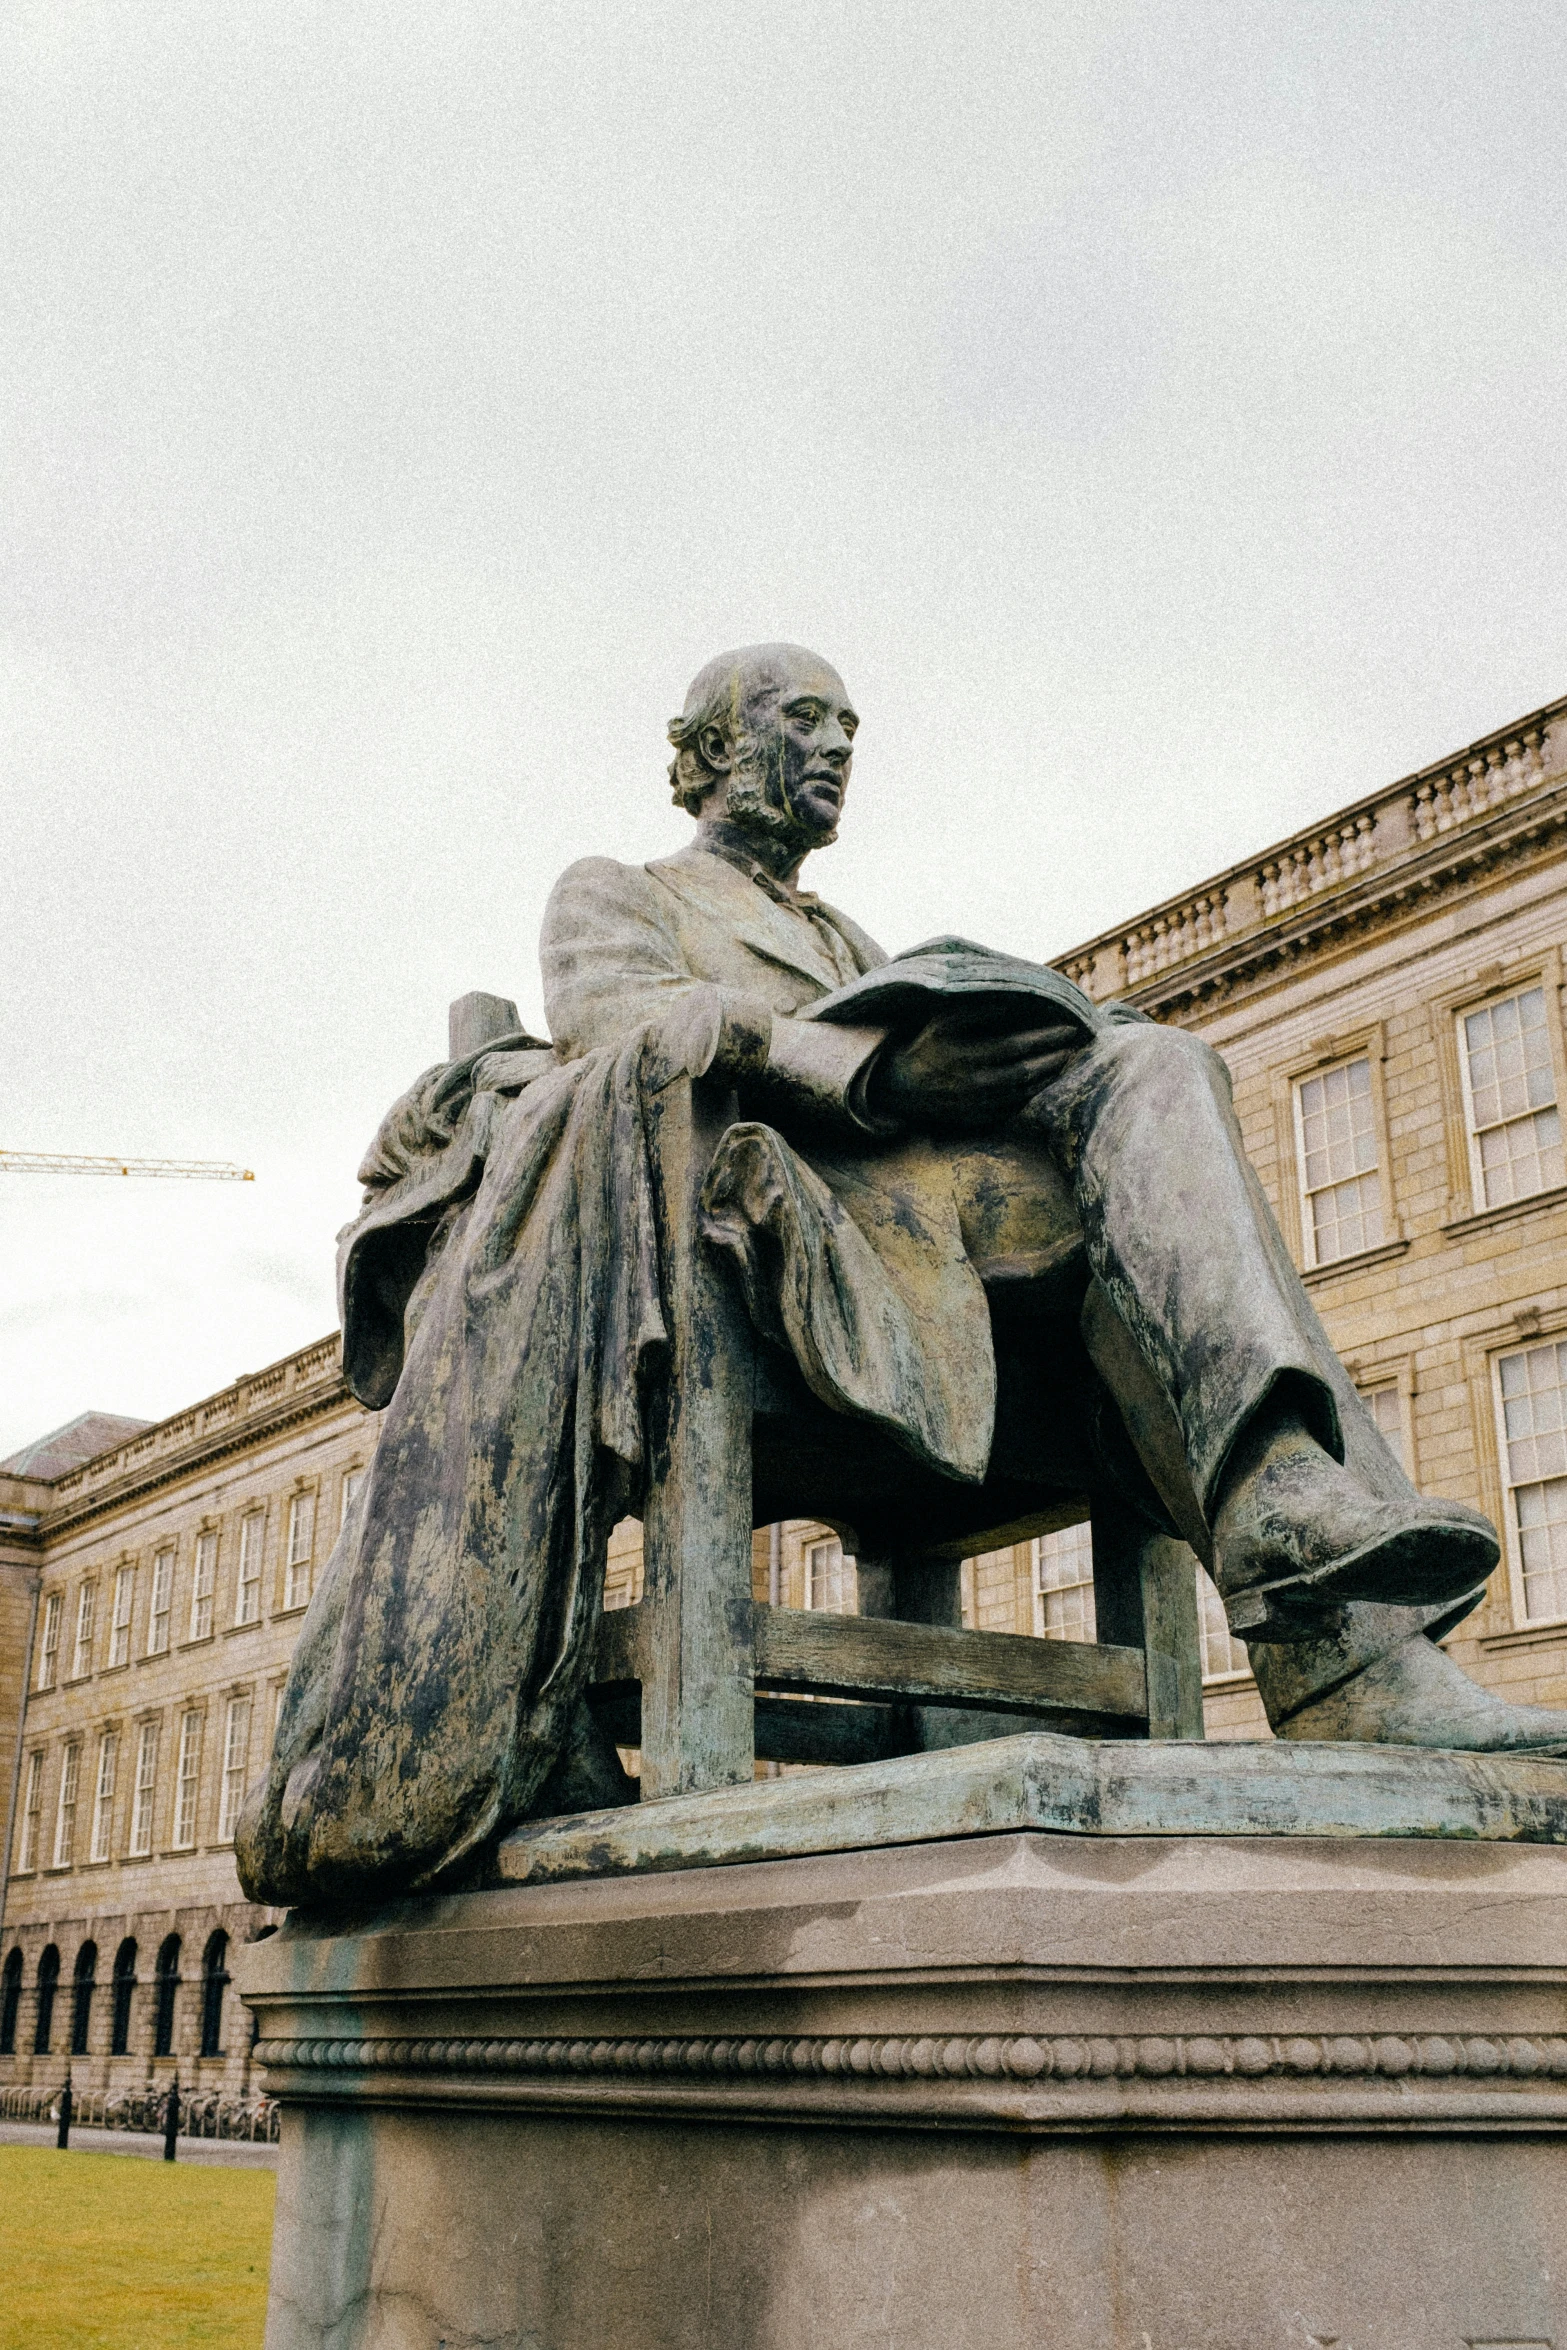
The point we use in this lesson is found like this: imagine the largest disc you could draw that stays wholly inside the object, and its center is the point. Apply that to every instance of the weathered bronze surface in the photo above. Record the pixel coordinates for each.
(936, 1250)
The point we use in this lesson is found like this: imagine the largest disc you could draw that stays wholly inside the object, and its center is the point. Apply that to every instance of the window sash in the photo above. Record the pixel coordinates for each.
(187, 1780)
(49, 1646)
(831, 1583)
(146, 1790)
(352, 1480)
(1338, 1162)
(1510, 1099)
(1531, 1410)
(1064, 1584)
(65, 1806)
(236, 1752)
(301, 1545)
(203, 1582)
(1386, 1407)
(81, 1648)
(32, 1814)
(103, 1795)
(252, 1545)
(160, 1603)
(120, 1615)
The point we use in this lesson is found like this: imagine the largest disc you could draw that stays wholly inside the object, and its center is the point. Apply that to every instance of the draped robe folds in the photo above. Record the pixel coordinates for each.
(503, 1297)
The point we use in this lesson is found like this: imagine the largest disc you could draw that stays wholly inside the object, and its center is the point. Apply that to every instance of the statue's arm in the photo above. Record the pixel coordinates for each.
(613, 957)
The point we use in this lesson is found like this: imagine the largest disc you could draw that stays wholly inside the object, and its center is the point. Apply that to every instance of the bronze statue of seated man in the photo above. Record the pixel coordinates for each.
(902, 1190)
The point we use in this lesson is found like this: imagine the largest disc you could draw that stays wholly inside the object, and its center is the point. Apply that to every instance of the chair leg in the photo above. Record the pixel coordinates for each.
(1145, 1596)
(698, 1684)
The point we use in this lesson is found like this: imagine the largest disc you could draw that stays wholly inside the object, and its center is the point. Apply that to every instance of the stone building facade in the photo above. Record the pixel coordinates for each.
(1387, 992)
(149, 1599)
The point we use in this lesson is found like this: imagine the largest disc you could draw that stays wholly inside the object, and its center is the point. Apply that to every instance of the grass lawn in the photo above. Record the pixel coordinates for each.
(109, 2252)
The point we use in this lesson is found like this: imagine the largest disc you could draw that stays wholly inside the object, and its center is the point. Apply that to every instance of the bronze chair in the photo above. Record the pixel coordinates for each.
(706, 1680)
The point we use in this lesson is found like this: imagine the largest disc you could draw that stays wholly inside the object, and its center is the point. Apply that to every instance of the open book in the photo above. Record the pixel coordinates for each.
(945, 974)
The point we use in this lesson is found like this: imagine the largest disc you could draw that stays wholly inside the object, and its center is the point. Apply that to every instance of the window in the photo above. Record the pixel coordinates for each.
(1221, 1652)
(103, 1794)
(214, 1979)
(32, 1814)
(84, 1984)
(831, 1584)
(252, 1542)
(187, 1777)
(65, 1806)
(1386, 1407)
(10, 2002)
(1533, 1401)
(49, 1646)
(352, 1480)
(146, 1790)
(120, 1616)
(1336, 1141)
(201, 1586)
(168, 1973)
(81, 1650)
(1064, 1584)
(158, 1605)
(1515, 1134)
(236, 1753)
(48, 1985)
(124, 1990)
(301, 1545)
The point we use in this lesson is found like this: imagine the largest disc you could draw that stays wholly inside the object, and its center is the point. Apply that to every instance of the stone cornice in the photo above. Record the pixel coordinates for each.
(254, 1411)
(1346, 2079)
(1380, 862)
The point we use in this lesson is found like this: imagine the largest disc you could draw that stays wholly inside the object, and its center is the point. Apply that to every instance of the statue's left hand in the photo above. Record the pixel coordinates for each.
(958, 1075)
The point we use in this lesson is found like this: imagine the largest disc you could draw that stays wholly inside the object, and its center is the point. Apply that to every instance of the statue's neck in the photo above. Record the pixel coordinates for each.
(779, 857)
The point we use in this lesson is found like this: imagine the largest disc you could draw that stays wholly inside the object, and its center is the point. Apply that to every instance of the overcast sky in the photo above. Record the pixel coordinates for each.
(1155, 411)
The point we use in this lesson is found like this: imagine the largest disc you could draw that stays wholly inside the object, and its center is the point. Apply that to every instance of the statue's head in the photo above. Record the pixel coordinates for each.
(765, 742)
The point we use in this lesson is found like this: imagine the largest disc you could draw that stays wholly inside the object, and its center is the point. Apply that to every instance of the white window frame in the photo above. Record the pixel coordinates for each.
(252, 1559)
(187, 1781)
(103, 1795)
(236, 1761)
(86, 1620)
(1375, 1388)
(1305, 1194)
(1043, 1593)
(145, 1794)
(846, 1569)
(1511, 1536)
(49, 1641)
(121, 1608)
(65, 1804)
(353, 1479)
(160, 1601)
(32, 1814)
(1541, 984)
(299, 1551)
(204, 1585)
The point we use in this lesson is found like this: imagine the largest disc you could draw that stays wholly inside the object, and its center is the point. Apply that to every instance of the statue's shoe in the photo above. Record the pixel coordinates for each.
(1301, 1533)
(1415, 1695)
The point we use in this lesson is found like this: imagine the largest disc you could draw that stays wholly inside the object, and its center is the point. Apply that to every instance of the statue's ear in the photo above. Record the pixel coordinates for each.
(714, 749)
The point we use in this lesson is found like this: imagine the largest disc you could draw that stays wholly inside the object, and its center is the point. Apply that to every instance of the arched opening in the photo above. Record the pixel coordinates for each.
(86, 1978)
(10, 2003)
(48, 1984)
(124, 1987)
(214, 1980)
(168, 1984)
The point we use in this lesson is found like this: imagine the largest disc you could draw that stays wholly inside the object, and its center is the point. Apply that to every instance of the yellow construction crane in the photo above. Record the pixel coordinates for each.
(74, 1163)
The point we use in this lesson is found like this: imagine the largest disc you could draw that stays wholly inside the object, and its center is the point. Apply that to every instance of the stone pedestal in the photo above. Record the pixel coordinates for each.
(1018, 2092)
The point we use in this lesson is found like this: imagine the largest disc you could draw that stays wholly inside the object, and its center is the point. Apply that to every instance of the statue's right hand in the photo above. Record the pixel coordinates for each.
(959, 1075)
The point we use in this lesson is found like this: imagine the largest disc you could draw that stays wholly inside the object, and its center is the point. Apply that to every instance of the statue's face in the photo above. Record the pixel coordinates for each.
(790, 769)
(807, 724)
